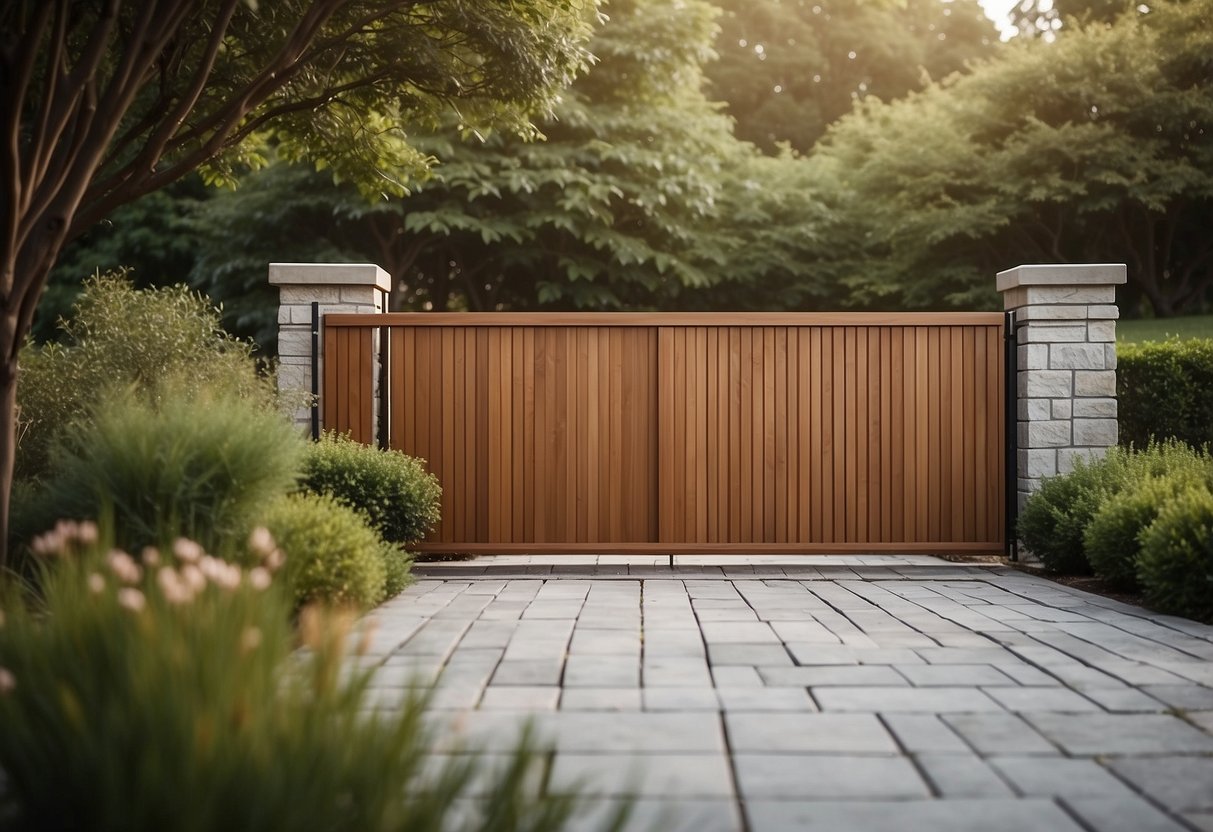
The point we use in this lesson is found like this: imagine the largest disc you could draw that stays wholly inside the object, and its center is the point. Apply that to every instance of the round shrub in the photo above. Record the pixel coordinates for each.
(397, 565)
(1112, 539)
(398, 496)
(1176, 563)
(332, 555)
(201, 464)
(1052, 523)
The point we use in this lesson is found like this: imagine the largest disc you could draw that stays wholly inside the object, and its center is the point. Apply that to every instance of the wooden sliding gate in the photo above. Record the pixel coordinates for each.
(800, 432)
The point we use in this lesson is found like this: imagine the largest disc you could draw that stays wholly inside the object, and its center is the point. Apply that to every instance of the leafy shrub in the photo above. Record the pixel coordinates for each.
(401, 500)
(201, 464)
(1053, 524)
(153, 694)
(119, 336)
(1165, 389)
(332, 555)
(397, 566)
(1176, 563)
(1112, 539)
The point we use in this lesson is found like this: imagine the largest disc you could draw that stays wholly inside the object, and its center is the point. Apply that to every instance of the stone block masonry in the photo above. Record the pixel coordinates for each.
(1066, 335)
(337, 287)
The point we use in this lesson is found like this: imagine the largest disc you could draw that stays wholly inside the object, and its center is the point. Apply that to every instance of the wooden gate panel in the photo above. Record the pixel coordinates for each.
(794, 432)
(540, 434)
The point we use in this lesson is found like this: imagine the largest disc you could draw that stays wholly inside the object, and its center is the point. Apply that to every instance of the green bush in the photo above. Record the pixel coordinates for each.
(1176, 563)
(174, 461)
(1054, 522)
(397, 566)
(332, 555)
(1113, 537)
(163, 693)
(1165, 389)
(119, 336)
(401, 500)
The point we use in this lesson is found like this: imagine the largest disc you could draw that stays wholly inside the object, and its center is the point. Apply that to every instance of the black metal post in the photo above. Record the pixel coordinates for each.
(1011, 416)
(315, 370)
(385, 354)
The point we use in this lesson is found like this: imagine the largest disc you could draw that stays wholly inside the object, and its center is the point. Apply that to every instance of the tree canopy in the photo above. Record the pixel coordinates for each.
(102, 101)
(790, 68)
(1097, 147)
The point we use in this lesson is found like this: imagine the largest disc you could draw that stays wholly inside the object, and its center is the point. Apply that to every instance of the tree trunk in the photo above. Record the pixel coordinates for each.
(8, 443)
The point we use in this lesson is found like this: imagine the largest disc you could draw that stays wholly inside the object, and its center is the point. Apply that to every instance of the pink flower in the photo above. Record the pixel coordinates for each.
(96, 583)
(259, 578)
(124, 566)
(7, 681)
(261, 541)
(132, 599)
(187, 550)
(151, 556)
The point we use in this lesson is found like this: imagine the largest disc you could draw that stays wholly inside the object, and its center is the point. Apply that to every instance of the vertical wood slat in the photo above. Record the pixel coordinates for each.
(809, 434)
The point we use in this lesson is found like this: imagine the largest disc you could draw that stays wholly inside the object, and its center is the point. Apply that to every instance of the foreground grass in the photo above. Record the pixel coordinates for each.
(1159, 329)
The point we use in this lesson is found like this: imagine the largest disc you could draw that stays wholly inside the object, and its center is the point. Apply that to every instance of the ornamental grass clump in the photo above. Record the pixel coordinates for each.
(160, 692)
(199, 462)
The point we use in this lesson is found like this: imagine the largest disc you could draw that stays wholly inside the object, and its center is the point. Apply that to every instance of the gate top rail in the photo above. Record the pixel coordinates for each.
(667, 319)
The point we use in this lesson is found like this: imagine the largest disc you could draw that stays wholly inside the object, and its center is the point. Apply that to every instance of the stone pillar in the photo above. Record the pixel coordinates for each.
(337, 287)
(1065, 318)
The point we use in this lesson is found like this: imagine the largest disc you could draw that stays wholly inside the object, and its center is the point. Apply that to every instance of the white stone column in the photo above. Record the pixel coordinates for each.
(1065, 319)
(336, 287)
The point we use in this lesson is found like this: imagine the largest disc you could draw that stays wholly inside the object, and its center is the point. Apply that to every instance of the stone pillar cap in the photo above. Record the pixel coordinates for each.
(330, 274)
(1077, 274)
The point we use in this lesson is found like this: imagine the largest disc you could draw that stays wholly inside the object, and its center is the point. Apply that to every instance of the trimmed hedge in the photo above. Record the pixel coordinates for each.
(1113, 537)
(399, 497)
(1165, 390)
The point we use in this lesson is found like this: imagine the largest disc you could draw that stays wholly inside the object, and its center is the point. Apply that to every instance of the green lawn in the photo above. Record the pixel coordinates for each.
(1158, 329)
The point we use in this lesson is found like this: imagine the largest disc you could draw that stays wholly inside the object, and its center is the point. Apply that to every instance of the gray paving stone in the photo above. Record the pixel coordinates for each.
(679, 699)
(598, 642)
(741, 699)
(808, 733)
(637, 733)
(999, 733)
(651, 815)
(594, 671)
(803, 677)
(1182, 784)
(836, 776)
(600, 699)
(662, 671)
(643, 775)
(1085, 734)
(673, 643)
(748, 654)
(996, 656)
(738, 632)
(1059, 776)
(911, 700)
(1187, 697)
(951, 675)
(1124, 700)
(528, 672)
(1121, 814)
(924, 734)
(958, 775)
(960, 815)
(520, 698)
(1028, 700)
(736, 676)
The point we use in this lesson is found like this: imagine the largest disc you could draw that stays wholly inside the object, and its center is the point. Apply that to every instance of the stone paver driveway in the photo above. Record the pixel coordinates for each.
(845, 694)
